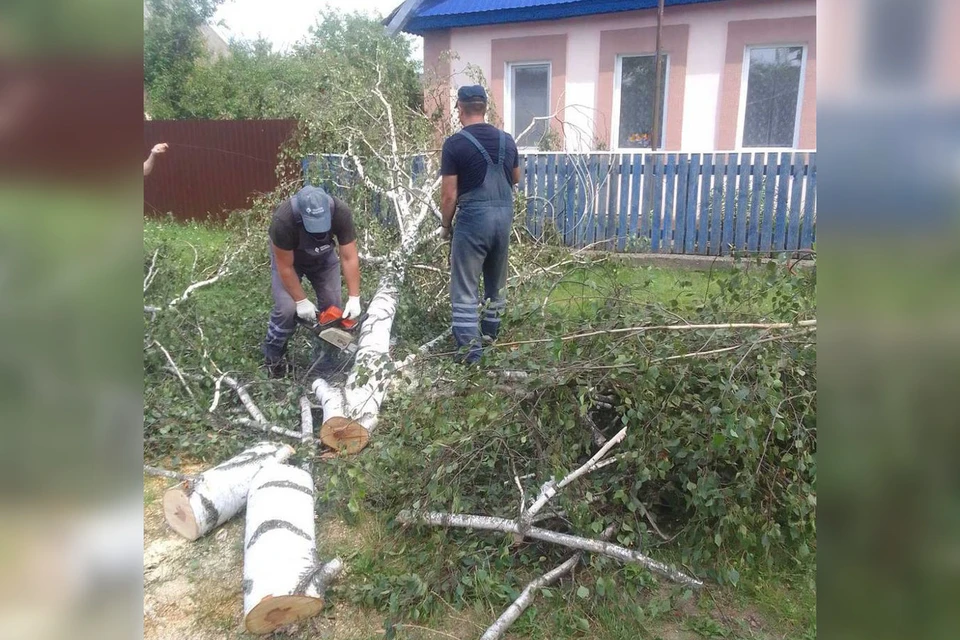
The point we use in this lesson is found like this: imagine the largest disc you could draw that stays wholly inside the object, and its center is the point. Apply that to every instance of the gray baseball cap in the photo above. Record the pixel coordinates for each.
(314, 205)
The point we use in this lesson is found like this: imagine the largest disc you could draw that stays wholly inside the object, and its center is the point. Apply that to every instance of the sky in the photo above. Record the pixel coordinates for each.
(284, 22)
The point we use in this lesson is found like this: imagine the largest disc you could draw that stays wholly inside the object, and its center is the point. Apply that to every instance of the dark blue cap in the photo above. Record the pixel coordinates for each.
(473, 93)
(313, 205)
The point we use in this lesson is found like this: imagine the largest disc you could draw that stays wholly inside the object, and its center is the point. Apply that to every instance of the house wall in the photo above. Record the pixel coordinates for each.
(586, 115)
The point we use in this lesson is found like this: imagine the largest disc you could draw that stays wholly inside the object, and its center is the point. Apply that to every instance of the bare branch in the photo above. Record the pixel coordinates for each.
(163, 473)
(667, 327)
(489, 523)
(151, 272)
(515, 610)
(176, 369)
(552, 488)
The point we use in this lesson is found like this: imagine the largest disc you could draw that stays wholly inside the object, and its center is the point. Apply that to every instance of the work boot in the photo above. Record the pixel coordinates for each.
(276, 368)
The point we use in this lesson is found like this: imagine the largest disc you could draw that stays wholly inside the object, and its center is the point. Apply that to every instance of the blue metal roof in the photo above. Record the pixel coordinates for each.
(447, 14)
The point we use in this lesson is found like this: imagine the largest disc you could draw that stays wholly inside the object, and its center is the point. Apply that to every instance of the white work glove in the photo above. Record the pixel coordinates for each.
(352, 310)
(444, 232)
(306, 310)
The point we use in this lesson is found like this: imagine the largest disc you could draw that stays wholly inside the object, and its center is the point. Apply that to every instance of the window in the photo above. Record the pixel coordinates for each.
(529, 98)
(771, 104)
(636, 86)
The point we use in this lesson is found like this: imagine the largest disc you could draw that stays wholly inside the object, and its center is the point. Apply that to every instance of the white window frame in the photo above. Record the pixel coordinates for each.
(510, 116)
(744, 79)
(617, 80)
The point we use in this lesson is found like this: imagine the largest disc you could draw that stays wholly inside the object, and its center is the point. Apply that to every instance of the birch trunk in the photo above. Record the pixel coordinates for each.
(350, 414)
(282, 580)
(194, 508)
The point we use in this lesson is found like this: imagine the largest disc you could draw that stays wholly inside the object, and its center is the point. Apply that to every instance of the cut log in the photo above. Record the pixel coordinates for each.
(338, 432)
(282, 581)
(194, 508)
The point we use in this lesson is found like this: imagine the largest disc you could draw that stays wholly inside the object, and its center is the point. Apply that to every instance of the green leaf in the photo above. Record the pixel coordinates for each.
(583, 592)
(733, 576)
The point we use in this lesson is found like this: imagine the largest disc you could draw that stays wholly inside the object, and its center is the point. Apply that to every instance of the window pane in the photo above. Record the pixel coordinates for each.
(638, 89)
(531, 98)
(773, 87)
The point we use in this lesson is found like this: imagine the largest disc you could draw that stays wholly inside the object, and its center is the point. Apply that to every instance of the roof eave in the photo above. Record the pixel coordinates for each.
(420, 25)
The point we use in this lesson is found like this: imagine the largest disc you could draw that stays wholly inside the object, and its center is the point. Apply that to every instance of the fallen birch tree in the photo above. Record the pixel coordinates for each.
(351, 411)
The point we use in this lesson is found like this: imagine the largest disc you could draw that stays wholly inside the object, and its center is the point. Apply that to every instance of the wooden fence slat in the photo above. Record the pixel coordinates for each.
(753, 221)
(730, 208)
(637, 191)
(747, 162)
(716, 212)
(808, 229)
(530, 190)
(653, 173)
(703, 218)
(580, 179)
(690, 228)
(783, 186)
(570, 180)
(609, 229)
(769, 195)
(623, 212)
(796, 189)
(539, 211)
(551, 195)
(670, 201)
(598, 198)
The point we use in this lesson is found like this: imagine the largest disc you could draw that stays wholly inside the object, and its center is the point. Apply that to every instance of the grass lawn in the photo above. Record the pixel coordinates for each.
(193, 589)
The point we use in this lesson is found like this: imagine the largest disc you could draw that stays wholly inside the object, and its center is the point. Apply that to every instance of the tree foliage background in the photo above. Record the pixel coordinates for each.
(340, 56)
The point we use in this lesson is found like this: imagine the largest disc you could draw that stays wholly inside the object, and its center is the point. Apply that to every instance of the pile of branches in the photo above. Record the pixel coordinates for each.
(712, 408)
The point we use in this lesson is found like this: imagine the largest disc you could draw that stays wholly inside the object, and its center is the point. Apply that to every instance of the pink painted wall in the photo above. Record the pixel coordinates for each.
(586, 107)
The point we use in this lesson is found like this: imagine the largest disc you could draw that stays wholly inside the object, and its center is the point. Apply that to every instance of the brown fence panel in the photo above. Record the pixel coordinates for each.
(212, 166)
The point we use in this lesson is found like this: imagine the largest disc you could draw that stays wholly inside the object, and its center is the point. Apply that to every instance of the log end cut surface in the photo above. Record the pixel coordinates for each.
(274, 612)
(344, 435)
(179, 514)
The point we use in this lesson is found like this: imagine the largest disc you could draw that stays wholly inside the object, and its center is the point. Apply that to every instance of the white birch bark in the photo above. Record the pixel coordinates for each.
(489, 523)
(194, 508)
(350, 414)
(282, 580)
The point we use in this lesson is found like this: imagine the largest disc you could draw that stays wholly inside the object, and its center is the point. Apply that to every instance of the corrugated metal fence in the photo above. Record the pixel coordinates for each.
(212, 166)
(697, 204)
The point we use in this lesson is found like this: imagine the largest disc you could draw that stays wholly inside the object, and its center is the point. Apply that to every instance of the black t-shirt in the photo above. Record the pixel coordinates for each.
(285, 233)
(462, 159)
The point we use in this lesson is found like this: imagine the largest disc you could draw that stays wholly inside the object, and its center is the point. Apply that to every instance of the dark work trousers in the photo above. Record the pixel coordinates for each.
(324, 274)
(481, 240)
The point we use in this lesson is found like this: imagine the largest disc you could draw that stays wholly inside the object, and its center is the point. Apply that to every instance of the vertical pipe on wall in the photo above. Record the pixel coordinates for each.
(658, 93)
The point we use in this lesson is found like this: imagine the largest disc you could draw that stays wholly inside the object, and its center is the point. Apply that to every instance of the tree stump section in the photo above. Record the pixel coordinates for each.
(282, 581)
(194, 508)
(344, 435)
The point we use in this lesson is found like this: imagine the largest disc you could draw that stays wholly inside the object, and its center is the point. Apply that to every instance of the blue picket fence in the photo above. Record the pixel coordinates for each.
(697, 204)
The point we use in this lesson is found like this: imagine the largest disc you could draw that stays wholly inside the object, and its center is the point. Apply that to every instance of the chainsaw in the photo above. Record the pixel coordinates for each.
(334, 329)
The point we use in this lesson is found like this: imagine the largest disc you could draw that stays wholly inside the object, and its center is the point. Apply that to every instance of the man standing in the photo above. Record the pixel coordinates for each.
(479, 167)
(303, 233)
